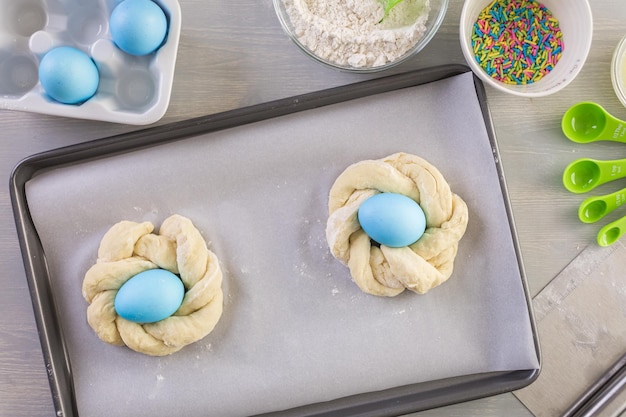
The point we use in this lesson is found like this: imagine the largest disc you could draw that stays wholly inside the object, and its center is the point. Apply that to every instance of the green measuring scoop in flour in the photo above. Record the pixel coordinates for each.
(388, 5)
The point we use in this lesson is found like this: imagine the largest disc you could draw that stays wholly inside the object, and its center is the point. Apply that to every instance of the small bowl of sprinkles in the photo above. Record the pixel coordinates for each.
(526, 47)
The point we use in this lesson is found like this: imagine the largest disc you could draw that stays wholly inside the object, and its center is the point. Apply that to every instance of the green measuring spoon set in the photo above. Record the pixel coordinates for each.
(588, 122)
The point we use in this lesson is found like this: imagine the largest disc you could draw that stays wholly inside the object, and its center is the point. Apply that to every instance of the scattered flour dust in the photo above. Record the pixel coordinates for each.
(350, 32)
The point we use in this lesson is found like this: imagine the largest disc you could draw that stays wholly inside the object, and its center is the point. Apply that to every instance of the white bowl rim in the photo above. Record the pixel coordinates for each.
(421, 43)
(618, 54)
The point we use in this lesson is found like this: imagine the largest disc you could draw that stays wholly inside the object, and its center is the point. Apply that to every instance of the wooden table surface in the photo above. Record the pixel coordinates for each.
(234, 54)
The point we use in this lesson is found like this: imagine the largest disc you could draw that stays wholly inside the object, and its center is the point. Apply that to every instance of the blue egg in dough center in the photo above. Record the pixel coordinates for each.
(149, 296)
(391, 219)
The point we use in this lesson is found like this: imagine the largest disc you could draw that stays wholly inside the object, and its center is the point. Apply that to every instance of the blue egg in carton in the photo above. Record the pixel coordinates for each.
(132, 89)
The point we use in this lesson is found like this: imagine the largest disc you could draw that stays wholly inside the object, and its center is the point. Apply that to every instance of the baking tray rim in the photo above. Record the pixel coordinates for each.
(394, 401)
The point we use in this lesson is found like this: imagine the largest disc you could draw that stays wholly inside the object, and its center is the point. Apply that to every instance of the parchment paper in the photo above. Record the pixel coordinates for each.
(295, 330)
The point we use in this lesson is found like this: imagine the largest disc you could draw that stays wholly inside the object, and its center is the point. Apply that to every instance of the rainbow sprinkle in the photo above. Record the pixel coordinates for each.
(517, 41)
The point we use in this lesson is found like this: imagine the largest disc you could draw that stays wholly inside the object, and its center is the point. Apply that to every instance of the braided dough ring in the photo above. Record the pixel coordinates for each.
(386, 271)
(129, 248)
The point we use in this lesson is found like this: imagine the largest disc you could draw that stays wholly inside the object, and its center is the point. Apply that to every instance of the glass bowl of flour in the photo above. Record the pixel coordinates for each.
(357, 35)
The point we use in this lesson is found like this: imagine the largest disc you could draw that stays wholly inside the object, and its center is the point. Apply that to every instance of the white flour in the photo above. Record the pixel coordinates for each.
(348, 32)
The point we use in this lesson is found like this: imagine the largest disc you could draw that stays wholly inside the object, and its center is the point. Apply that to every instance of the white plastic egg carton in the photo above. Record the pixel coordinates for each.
(132, 90)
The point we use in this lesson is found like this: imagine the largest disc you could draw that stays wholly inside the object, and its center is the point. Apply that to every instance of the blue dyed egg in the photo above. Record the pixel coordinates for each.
(138, 27)
(392, 219)
(149, 296)
(68, 75)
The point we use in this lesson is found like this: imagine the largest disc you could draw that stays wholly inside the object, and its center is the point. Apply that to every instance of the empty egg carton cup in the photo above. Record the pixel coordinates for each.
(132, 89)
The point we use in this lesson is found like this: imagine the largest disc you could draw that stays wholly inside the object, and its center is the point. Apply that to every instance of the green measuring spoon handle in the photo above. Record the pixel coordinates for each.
(611, 233)
(611, 170)
(615, 129)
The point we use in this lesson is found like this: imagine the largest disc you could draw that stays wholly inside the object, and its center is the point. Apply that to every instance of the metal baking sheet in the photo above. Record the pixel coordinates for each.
(297, 337)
